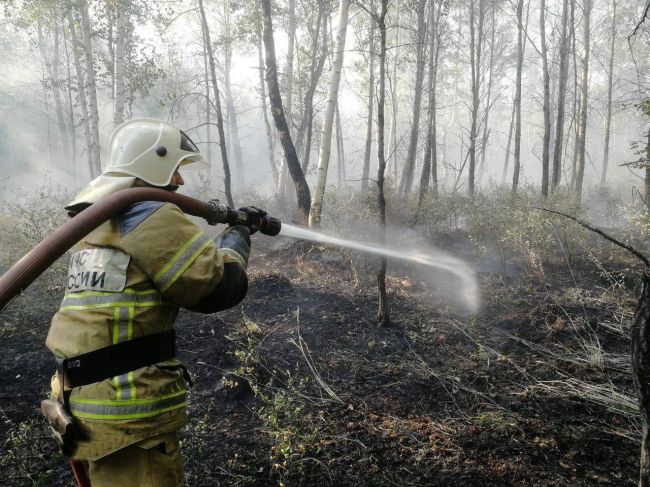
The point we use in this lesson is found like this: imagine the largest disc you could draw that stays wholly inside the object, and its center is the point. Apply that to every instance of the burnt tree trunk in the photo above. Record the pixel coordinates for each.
(640, 336)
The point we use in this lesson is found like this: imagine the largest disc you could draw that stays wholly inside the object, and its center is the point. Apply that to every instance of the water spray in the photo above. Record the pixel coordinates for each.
(469, 293)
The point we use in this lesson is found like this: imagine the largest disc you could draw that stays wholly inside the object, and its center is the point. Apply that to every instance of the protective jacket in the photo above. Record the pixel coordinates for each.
(127, 279)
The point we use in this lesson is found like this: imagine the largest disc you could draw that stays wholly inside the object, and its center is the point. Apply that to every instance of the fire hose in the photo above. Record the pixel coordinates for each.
(43, 255)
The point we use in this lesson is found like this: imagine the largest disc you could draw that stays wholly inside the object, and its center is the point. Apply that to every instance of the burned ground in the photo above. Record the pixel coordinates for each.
(298, 385)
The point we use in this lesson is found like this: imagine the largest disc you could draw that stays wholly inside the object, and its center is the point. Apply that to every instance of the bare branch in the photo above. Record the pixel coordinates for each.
(601, 233)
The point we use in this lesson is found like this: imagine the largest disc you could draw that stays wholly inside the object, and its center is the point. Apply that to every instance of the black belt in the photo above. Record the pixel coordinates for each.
(118, 359)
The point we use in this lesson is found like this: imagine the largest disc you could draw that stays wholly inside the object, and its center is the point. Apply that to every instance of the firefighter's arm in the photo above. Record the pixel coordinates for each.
(234, 245)
(186, 265)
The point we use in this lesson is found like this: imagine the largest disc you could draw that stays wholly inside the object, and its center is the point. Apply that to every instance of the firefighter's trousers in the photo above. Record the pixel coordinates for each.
(154, 462)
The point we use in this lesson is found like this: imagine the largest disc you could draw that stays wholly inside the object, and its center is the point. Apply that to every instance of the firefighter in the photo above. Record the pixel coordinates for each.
(126, 282)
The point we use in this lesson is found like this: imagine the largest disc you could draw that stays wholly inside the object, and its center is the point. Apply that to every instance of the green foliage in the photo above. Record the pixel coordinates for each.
(23, 225)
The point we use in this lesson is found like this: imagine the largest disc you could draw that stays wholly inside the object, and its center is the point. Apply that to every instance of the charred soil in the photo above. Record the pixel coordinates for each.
(299, 386)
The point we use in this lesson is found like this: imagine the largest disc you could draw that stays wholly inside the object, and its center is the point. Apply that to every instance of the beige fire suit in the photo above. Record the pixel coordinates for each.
(128, 279)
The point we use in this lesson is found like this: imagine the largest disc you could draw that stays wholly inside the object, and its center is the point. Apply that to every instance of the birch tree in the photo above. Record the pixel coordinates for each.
(93, 170)
(326, 134)
(93, 112)
(119, 92)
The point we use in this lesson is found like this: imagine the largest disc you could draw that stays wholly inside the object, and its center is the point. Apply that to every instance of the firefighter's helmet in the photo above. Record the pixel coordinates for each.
(143, 148)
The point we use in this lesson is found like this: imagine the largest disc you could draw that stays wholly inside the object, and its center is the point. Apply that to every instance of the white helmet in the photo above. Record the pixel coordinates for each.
(142, 148)
(150, 150)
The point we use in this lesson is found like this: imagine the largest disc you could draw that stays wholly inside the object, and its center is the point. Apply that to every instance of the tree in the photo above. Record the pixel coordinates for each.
(318, 55)
(409, 164)
(561, 93)
(267, 126)
(93, 112)
(584, 84)
(383, 316)
(326, 136)
(476, 44)
(231, 112)
(371, 102)
(217, 104)
(610, 80)
(520, 62)
(93, 169)
(119, 92)
(302, 189)
(430, 164)
(547, 99)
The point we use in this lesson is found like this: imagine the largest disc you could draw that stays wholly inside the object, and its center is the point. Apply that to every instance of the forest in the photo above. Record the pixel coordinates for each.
(460, 293)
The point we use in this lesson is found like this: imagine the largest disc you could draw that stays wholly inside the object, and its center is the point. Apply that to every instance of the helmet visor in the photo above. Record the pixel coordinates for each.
(187, 144)
(191, 162)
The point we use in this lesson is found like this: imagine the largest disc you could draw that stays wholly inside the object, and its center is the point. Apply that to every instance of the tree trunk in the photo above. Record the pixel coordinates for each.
(208, 105)
(640, 351)
(326, 135)
(561, 93)
(81, 91)
(520, 61)
(291, 34)
(488, 99)
(610, 80)
(371, 103)
(265, 114)
(505, 164)
(383, 315)
(476, 44)
(647, 174)
(71, 122)
(316, 69)
(340, 149)
(584, 85)
(119, 92)
(231, 112)
(51, 69)
(408, 170)
(302, 190)
(547, 99)
(394, 96)
(217, 105)
(430, 158)
(92, 89)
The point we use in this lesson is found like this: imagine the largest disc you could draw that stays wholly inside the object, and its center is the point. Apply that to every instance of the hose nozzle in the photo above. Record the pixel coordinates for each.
(248, 216)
